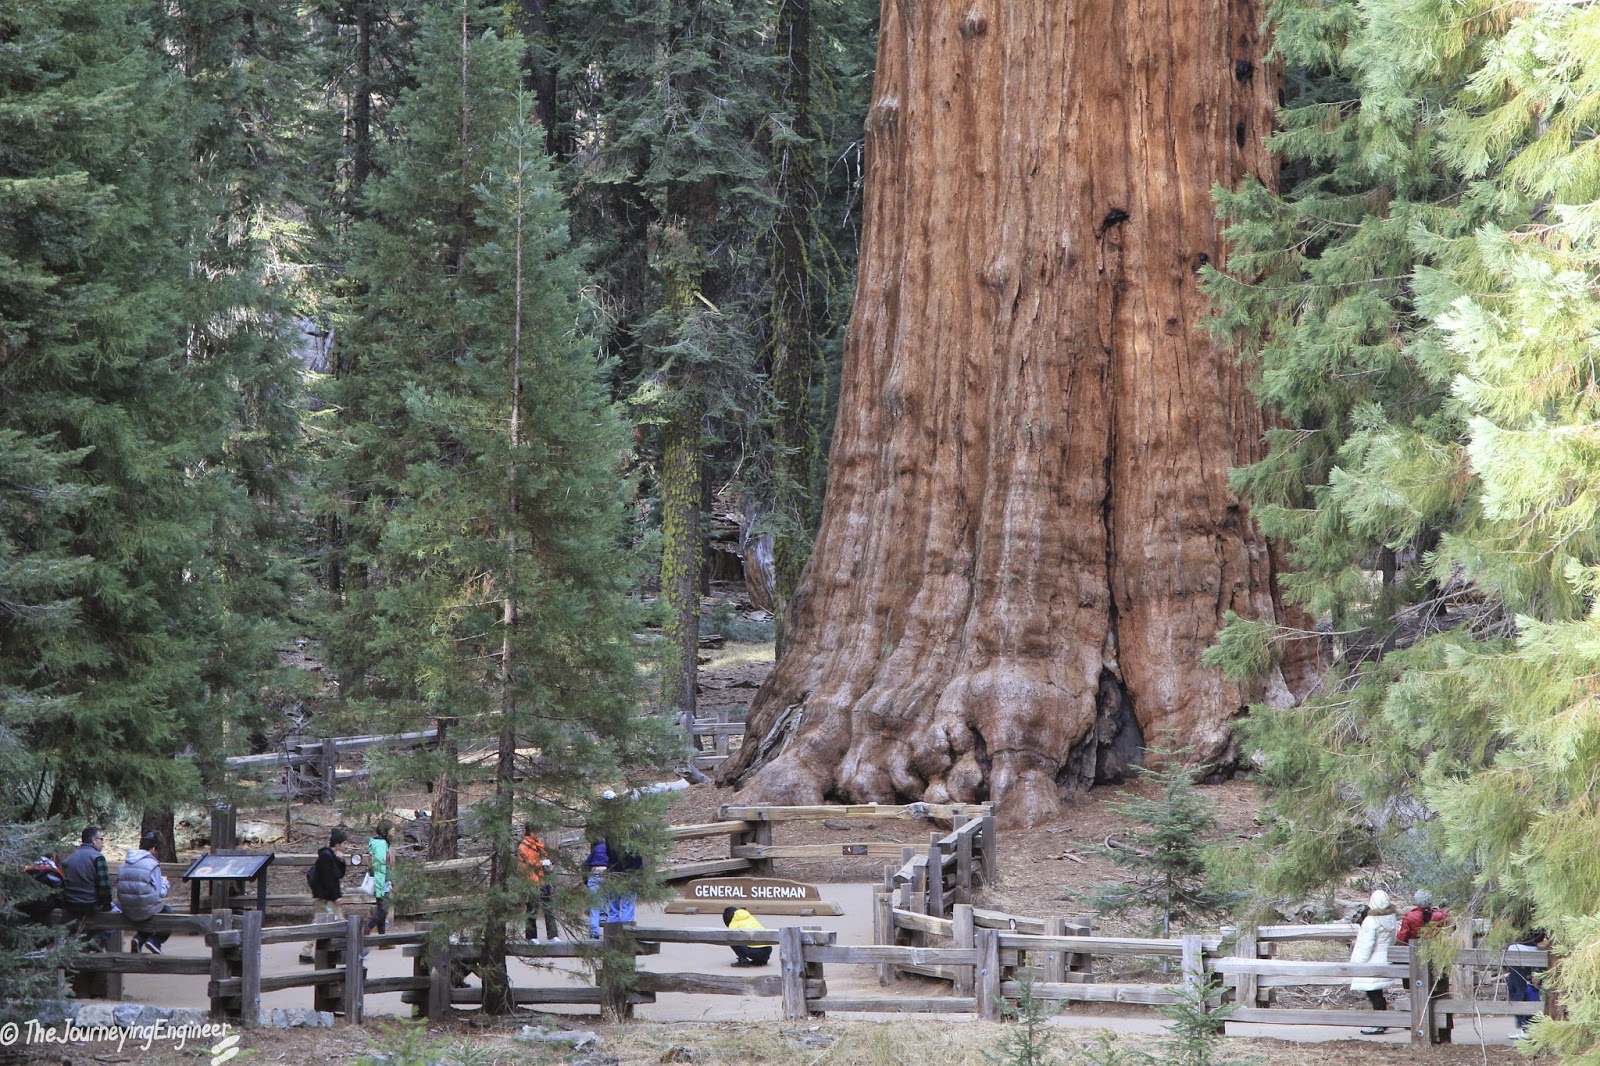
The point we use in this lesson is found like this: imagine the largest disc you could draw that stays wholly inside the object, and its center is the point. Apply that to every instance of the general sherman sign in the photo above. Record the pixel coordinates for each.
(743, 889)
(761, 895)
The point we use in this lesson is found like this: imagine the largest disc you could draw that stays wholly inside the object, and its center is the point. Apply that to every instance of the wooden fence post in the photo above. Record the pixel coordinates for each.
(964, 937)
(813, 972)
(1420, 993)
(963, 867)
(1194, 968)
(988, 980)
(883, 922)
(113, 981)
(935, 884)
(1055, 962)
(612, 975)
(761, 833)
(1079, 962)
(250, 969)
(328, 768)
(1244, 984)
(439, 983)
(792, 963)
(224, 827)
(221, 967)
(324, 956)
(355, 970)
(991, 860)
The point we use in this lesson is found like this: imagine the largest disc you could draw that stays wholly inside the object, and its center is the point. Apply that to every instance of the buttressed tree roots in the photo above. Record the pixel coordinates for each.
(1028, 538)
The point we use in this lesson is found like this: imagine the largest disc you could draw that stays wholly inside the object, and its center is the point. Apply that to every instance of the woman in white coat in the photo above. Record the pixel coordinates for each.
(1372, 947)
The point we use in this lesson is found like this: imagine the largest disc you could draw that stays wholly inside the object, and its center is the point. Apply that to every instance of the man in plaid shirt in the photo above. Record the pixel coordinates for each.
(88, 881)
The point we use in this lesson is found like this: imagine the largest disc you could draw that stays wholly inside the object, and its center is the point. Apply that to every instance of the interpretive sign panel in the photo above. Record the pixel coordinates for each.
(234, 868)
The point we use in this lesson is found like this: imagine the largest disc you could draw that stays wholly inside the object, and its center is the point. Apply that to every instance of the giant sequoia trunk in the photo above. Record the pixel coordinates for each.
(1028, 538)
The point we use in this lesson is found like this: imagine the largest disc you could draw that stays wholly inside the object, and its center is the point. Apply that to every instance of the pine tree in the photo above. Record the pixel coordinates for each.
(36, 496)
(245, 112)
(480, 425)
(1421, 303)
(93, 385)
(1165, 859)
(669, 99)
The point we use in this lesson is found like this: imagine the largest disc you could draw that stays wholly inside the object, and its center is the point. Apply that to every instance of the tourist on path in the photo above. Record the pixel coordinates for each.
(142, 890)
(1522, 982)
(1377, 932)
(611, 901)
(746, 954)
(87, 887)
(48, 874)
(1419, 917)
(536, 864)
(326, 876)
(378, 857)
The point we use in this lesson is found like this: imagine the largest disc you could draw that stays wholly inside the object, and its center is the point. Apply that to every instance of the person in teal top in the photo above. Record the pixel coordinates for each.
(378, 857)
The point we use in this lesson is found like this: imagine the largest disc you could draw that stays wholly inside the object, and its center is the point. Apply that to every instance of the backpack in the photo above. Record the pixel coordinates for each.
(48, 874)
(623, 860)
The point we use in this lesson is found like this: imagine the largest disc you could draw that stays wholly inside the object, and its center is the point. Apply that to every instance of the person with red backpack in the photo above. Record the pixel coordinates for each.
(1420, 916)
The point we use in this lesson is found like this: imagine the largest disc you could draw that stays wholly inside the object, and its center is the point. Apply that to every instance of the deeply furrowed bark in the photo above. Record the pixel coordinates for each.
(1028, 539)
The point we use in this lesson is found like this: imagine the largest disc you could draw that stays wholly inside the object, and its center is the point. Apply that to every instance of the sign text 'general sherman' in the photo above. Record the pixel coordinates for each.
(738, 889)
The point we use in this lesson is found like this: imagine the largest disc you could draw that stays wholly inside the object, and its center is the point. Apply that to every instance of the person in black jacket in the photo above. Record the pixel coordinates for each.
(326, 874)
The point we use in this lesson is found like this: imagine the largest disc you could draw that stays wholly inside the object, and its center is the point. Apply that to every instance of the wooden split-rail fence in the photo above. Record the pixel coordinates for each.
(925, 925)
(314, 768)
(987, 974)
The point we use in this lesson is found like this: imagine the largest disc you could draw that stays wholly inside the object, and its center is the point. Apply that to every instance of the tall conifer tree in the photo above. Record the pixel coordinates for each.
(480, 424)
(245, 115)
(669, 98)
(1424, 309)
(94, 383)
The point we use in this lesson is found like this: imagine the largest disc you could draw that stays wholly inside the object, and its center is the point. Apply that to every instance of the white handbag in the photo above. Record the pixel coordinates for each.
(369, 885)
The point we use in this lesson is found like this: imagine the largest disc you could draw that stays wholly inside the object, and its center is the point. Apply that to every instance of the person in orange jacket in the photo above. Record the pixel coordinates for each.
(536, 865)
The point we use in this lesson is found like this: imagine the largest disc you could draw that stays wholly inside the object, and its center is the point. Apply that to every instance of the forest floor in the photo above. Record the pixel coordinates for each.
(1043, 872)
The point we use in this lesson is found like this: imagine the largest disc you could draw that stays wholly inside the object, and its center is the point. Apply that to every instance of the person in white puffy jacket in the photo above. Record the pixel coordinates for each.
(1377, 932)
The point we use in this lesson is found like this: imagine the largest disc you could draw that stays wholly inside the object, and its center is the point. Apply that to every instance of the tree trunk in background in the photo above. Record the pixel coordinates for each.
(160, 820)
(444, 821)
(1028, 538)
(680, 556)
(539, 70)
(791, 323)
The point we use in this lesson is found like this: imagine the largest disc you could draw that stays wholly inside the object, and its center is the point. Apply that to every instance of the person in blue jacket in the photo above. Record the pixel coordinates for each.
(611, 902)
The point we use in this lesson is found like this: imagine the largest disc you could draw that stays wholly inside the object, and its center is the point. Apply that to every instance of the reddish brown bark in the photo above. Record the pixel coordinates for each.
(1028, 538)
